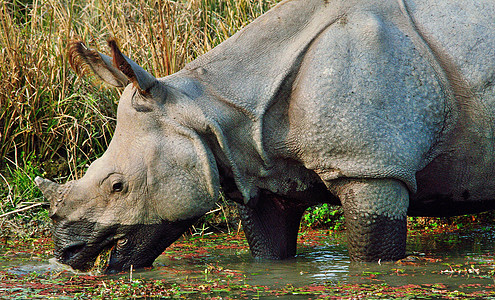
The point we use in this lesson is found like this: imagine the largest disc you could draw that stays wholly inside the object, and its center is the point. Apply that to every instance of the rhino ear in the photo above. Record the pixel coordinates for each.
(81, 57)
(118, 70)
(141, 79)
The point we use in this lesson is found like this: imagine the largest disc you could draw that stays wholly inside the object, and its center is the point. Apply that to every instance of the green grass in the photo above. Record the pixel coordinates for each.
(324, 216)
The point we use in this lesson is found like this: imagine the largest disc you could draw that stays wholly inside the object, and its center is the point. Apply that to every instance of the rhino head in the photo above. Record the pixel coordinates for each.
(156, 178)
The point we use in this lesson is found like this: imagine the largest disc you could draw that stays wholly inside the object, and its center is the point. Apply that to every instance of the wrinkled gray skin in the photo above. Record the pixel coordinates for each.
(385, 107)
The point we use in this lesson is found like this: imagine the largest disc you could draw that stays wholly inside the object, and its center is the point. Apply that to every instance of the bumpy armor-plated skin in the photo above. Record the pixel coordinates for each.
(384, 107)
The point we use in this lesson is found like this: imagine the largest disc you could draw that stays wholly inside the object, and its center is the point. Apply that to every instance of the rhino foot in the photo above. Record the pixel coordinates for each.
(375, 215)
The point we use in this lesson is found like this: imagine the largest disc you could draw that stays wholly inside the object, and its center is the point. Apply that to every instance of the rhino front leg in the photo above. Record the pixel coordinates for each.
(271, 227)
(375, 211)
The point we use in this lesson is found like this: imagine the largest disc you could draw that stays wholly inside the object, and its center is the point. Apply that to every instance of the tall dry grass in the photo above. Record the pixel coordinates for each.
(47, 111)
(55, 123)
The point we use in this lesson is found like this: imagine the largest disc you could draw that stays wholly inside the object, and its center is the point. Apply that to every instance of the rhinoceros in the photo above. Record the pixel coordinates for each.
(383, 107)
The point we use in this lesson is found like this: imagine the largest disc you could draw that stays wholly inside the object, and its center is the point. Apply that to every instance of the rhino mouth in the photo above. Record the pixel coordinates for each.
(130, 246)
(79, 243)
(144, 243)
(82, 255)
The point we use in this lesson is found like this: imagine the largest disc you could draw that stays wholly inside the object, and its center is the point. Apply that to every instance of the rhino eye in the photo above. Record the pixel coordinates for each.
(117, 187)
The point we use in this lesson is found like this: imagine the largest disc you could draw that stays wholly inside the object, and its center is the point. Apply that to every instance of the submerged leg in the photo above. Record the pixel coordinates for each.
(375, 213)
(271, 227)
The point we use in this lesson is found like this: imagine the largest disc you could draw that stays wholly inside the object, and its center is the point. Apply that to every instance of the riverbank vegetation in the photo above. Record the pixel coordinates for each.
(54, 124)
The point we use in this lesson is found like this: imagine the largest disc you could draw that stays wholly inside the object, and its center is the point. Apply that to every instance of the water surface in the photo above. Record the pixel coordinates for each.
(456, 261)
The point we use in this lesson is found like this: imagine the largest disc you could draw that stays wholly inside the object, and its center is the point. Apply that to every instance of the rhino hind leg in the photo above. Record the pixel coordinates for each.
(271, 227)
(375, 213)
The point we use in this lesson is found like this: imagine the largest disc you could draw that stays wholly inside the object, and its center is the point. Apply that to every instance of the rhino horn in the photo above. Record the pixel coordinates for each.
(50, 190)
(141, 79)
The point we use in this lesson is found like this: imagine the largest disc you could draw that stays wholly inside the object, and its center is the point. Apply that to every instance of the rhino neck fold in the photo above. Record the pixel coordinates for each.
(242, 89)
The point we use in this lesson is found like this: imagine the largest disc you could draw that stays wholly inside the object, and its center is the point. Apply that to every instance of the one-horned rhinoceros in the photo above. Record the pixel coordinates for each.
(384, 107)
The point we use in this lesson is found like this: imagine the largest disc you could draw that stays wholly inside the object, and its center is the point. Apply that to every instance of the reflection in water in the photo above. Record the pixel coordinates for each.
(325, 264)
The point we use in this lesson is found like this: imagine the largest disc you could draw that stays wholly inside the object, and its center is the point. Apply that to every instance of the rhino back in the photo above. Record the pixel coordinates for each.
(291, 48)
(359, 89)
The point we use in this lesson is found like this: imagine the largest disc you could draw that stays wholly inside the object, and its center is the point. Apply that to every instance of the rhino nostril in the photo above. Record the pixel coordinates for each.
(122, 242)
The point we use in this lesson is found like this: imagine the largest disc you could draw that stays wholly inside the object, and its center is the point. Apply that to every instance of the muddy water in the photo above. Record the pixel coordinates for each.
(455, 260)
